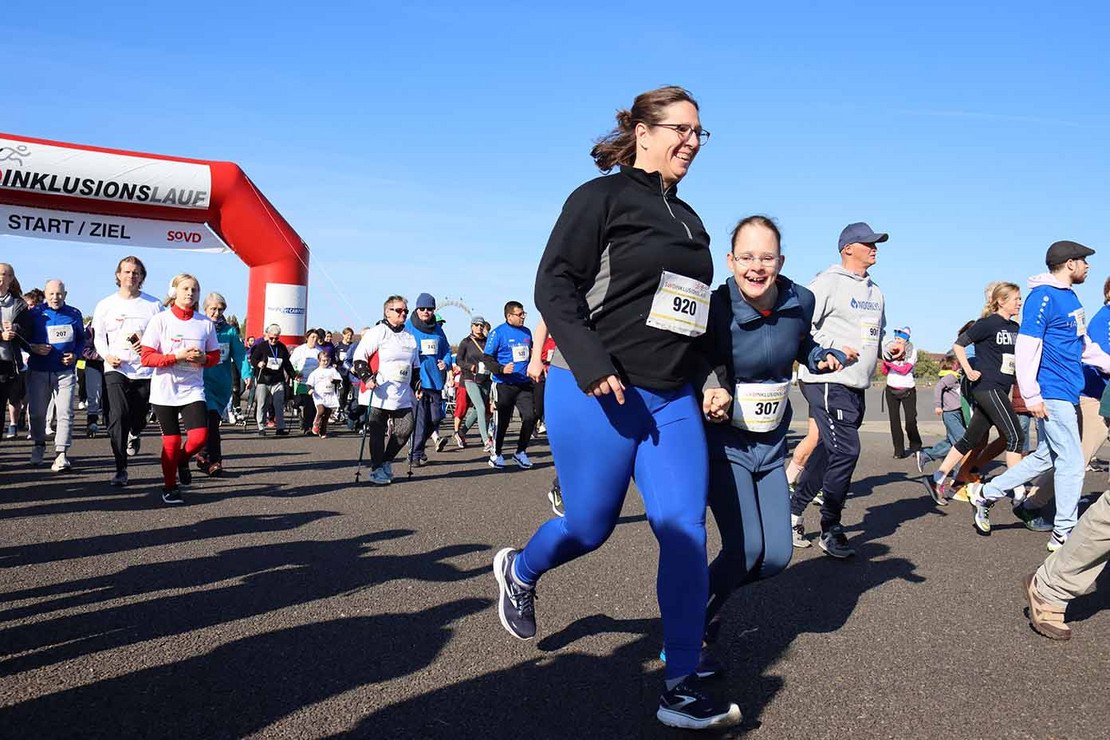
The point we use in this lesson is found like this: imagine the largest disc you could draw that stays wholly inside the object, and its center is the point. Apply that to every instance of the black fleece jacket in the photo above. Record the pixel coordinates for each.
(599, 273)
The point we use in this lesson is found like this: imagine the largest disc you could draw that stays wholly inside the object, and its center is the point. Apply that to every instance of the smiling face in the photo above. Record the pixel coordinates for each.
(755, 261)
(55, 291)
(663, 150)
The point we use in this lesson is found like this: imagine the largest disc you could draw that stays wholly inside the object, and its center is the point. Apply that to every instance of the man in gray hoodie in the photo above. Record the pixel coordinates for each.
(849, 316)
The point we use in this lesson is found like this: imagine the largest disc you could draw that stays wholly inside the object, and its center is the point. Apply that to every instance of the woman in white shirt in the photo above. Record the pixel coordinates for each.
(387, 363)
(304, 360)
(179, 344)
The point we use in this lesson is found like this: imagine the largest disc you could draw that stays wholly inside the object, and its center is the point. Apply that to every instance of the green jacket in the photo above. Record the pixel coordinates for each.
(217, 379)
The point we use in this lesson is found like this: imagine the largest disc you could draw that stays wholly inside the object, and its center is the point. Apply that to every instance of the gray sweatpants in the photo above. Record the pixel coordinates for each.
(1072, 570)
(41, 385)
(262, 397)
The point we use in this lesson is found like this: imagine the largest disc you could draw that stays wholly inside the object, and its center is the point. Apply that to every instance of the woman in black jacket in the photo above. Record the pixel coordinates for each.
(624, 286)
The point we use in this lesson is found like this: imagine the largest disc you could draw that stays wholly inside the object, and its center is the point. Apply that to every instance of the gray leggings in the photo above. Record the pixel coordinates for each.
(262, 396)
(479, 401)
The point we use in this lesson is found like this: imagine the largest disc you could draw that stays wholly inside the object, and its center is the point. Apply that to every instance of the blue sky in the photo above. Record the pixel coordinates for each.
(429, 146)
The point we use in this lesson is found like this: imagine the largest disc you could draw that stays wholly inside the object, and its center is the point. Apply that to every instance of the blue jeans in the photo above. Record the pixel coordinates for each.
(954, 429)
(1059, 450)
(598, 446)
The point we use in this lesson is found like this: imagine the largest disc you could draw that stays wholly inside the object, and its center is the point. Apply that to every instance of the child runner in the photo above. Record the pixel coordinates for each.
(325, 382)
(179, 344)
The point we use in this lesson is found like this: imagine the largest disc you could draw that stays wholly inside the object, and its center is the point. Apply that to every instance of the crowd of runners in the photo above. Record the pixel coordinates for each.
(637, 369)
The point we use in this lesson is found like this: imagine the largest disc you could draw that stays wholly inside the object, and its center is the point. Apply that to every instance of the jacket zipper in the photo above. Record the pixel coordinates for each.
(663, 192)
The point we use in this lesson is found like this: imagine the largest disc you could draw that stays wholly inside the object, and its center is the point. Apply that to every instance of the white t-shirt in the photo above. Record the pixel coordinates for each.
(183, 383)
(304, 360)
(114, 320)
(398, 360)
(322, 382)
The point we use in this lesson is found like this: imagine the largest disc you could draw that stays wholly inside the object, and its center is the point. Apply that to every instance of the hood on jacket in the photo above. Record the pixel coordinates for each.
(842, 271)
(1047, 278)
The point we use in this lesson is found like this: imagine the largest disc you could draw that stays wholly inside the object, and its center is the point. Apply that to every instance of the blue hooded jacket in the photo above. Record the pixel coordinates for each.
(430, 374)
(746, 347)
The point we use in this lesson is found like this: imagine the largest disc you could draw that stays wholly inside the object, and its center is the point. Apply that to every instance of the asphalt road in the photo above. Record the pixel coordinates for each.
(284, 601)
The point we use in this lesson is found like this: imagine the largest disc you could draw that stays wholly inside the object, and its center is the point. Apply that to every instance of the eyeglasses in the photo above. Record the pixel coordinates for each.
(401, 311)
(520, 315)
(747, 259)
(684, 130)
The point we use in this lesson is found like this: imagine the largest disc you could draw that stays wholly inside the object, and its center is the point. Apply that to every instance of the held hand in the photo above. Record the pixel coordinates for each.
(508, 369)
(974, 375)
(1039, 410)
(715, 405)
(851, 354)
(68, 358)
(830, 363)
(262, 365)
(41, 349)
(113, 360)
(441, 365)
(250, 382)
(535, 370)
(136, 345)
(7, 334)
(371, 384)
(605, 386)
(938, 411)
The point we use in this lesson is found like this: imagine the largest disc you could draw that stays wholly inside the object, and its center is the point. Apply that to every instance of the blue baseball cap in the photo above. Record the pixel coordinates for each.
(860, 233)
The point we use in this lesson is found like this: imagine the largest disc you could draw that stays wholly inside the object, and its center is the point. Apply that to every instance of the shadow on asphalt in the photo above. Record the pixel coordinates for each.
(567, 694)
(246, 685)
(264, 579)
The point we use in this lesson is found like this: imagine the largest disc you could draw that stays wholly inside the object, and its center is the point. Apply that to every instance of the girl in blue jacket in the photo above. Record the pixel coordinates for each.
(759, 325)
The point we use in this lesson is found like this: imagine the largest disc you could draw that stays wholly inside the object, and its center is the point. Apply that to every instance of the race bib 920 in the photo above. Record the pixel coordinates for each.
(681, 305)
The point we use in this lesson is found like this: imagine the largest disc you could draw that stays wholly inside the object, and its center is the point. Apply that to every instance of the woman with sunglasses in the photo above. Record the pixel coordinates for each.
(387, 363)
(623, 285)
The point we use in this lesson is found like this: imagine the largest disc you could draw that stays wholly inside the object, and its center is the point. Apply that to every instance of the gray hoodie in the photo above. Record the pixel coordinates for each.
(850, 312)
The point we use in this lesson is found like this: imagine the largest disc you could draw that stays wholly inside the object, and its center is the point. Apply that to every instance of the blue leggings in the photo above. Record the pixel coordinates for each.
(752, 511)
(598, 446)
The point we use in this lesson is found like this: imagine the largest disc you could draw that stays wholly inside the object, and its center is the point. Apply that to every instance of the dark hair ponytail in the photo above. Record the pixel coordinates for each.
(618, 147)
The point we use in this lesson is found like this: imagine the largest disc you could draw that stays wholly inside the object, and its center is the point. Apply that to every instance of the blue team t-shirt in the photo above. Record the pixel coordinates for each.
(1099, 332)
(1055, 316)
(509, 344)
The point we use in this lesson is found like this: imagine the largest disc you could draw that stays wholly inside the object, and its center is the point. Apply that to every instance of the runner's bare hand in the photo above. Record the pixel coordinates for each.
(605, 386)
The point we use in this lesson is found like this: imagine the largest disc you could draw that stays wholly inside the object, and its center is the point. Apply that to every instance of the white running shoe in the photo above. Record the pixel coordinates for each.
(61, 462)
(496, 461)
(521, 459)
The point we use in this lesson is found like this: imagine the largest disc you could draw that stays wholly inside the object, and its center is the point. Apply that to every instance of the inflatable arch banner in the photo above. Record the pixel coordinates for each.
(74, 193)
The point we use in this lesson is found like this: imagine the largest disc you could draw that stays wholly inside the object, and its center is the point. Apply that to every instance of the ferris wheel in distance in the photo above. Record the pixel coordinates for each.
(458, 303)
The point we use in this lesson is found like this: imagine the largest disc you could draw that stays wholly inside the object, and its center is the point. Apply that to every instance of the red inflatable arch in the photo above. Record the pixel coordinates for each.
(53, 190)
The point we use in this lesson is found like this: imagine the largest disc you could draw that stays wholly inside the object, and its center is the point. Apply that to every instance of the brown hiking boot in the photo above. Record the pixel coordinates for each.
(1044, 618)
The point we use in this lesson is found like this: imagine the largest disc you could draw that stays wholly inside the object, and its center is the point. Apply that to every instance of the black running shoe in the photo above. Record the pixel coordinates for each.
(516, 607)
(282, 433)
(686, 706)
(834, 543)
(172, 496)
(184, 475)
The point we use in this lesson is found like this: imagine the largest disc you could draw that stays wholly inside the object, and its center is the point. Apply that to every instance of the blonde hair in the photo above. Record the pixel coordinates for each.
(1000, 292)
(178, 280)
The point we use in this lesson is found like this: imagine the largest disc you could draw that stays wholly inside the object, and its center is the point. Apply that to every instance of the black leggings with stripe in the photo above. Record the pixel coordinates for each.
(992, 408)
